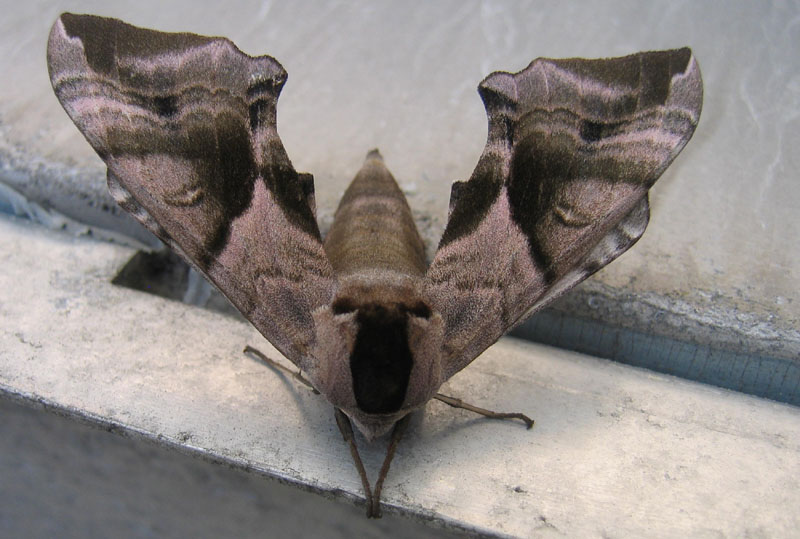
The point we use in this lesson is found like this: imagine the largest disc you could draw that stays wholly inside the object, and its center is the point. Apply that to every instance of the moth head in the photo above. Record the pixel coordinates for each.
(377, 360)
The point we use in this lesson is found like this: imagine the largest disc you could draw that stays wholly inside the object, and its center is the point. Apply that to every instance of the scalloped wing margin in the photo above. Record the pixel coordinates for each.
(561, 187)
(187, 127)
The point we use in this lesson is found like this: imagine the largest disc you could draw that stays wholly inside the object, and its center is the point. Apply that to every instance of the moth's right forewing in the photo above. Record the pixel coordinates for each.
(561, 188)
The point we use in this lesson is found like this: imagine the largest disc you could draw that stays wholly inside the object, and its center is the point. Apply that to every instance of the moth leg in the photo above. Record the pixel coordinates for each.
(274, 364)
(346, 428)
(458, 403)
(399, 429)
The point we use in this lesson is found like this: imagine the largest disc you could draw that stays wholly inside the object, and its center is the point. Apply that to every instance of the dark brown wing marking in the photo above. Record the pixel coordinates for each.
(561, 187)
(187, 127)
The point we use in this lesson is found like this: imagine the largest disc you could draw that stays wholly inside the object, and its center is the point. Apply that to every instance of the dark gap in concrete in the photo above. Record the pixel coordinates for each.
(163, 273)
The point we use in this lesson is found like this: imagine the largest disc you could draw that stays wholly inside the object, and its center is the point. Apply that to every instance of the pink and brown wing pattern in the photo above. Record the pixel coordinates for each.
(561, 187)
(187, 127)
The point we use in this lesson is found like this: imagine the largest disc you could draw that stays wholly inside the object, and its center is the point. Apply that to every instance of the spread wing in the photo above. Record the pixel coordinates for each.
(561, 187)
(187, 127)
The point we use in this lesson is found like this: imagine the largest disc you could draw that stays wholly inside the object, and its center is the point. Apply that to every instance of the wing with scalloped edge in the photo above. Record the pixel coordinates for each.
(187, 127)
(561, 187)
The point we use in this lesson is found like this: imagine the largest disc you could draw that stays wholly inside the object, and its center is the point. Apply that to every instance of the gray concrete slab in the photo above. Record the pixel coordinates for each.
(64, 479)
(616, 451)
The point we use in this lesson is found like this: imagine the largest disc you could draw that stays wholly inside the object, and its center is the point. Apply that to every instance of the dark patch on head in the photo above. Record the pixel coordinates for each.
(381, 360)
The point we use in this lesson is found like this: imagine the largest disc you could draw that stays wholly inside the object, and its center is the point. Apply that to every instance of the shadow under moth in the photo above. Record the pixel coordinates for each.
(187, 127)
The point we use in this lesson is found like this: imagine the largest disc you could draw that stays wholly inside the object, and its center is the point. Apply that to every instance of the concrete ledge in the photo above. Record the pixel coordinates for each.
(616, 450)
(124, 487)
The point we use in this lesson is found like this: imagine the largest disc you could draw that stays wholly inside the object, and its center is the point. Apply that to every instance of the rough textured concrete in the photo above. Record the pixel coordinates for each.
(721, 257)
(616, 451)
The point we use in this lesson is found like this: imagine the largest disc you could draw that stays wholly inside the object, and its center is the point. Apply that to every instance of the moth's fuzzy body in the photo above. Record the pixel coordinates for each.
(373, 229)
(187, 127)
(380, 318)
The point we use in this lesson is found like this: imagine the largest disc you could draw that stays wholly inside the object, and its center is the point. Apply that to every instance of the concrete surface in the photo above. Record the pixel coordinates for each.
(69, 480)
(616, 451)
(721, 257)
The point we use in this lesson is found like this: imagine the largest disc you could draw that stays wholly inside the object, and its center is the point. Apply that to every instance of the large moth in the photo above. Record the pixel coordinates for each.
(187, 127)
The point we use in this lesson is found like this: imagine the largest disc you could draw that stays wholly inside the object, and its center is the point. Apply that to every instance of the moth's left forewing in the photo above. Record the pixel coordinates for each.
(187, 127)
(561, 188)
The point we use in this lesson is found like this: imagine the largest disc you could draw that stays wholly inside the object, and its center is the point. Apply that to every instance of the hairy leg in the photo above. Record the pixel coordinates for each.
(397, 434)
(458, 403)
(275, 365)
(346, 428)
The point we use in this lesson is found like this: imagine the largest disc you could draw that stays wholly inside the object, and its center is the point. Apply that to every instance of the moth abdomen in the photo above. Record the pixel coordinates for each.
(373, 228)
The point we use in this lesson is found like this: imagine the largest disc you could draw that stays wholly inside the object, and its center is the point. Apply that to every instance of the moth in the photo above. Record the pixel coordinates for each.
(187, 127)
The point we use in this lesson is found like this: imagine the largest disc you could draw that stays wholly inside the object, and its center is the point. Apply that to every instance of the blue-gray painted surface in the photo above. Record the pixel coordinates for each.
(771, 377)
